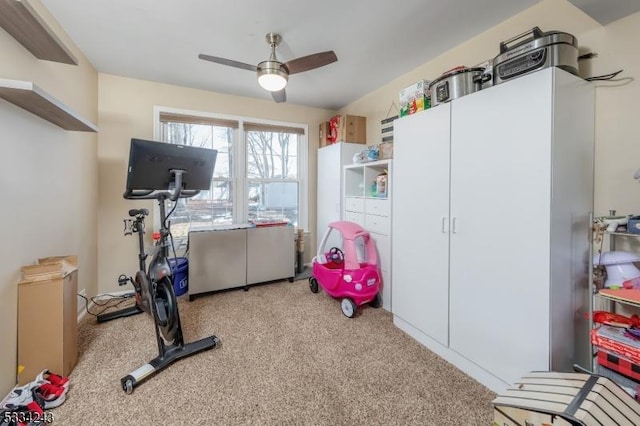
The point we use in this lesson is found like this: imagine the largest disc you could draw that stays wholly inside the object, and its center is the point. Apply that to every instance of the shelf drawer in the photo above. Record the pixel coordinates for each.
(377, 224)
(354, 204)
(378, 207)
(354, 217)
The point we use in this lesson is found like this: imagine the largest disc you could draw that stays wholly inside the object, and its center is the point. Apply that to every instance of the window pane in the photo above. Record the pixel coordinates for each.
(273, 202)
(208, 207)
(205, 136)
(212, 207)
(205, 209)
(272, 155)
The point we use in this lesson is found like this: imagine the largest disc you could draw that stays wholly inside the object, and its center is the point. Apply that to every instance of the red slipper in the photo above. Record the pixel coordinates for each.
(54, 379)
(49, 396)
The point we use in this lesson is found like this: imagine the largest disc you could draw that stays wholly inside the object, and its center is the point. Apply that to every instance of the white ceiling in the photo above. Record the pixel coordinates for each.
(607, 11)
(376, 41)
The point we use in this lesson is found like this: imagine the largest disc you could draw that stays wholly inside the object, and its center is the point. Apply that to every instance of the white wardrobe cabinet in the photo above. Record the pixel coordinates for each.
(331, 160)
(372, 212)
(492, 194)
(420, 228)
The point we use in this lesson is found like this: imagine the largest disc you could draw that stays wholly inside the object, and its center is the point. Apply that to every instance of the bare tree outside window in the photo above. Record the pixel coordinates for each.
(272, 175)
(215, 205)
(271, 183)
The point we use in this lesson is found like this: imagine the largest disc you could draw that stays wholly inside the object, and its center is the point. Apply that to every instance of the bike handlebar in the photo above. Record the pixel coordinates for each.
(151, 194)
(171, 194)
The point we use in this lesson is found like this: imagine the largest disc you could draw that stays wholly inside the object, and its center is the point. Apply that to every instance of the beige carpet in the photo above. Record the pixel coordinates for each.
(288, 357)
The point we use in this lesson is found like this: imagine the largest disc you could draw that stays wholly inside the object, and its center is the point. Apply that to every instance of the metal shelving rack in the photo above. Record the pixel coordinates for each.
(595, 368)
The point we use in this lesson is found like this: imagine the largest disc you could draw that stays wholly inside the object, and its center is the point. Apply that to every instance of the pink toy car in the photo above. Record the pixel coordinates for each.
(350, 273)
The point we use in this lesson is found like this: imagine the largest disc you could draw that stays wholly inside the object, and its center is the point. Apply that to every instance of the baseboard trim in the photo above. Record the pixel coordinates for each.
(83, 312)
(463, 364)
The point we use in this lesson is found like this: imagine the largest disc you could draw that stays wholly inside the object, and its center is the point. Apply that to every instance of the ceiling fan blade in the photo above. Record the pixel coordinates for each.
(311, 62)
(279, 96)
(229, 62)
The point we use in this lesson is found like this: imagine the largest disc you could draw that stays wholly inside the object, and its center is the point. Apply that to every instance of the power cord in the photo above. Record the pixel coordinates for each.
(167, 224)
(105, 305)
(589, 55)
(604, 77)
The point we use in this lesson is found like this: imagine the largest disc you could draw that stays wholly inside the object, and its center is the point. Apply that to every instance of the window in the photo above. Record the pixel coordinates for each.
(272, 173)
(260, 172)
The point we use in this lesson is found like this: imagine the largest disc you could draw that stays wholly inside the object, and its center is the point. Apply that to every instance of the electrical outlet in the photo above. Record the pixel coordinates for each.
(81, 301)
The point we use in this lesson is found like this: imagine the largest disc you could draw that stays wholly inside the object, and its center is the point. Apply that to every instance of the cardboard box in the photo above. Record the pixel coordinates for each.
(385, 150)
(414, 98)
(352, 129)
(323, 132)
(48, 317)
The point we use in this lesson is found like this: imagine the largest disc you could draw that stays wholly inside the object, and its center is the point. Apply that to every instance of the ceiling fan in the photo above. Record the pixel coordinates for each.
(273, 74)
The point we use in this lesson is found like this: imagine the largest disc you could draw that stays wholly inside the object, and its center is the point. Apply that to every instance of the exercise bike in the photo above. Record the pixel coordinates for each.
(155, 295)
(154, 292)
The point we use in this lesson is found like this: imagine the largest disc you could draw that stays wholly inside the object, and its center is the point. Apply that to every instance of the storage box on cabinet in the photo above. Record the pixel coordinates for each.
(352, 128)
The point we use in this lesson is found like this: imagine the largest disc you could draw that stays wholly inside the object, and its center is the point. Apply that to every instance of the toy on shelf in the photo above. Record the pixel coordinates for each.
(615, 320)
(621, 272)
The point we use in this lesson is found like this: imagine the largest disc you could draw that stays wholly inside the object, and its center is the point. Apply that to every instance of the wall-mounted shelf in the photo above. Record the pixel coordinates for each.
(19, 19)
(30, 97)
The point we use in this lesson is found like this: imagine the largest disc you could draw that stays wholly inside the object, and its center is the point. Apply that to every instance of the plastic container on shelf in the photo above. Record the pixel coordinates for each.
(381, 185)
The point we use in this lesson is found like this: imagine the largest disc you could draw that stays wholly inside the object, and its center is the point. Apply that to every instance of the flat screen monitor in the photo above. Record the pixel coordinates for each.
(151, 162)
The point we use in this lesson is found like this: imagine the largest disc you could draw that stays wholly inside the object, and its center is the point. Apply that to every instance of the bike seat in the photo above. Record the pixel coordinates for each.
(136, 212)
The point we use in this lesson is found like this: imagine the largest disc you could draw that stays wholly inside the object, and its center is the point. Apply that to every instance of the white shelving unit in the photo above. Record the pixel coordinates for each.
(372, 211)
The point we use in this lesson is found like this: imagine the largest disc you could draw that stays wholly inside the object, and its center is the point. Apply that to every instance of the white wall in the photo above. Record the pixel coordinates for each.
(617, 115)
(617, 112)
(48, 181)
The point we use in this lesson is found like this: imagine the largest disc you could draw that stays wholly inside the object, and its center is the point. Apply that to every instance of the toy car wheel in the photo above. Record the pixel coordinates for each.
(348, 307)
(377, 301)
(313, 285)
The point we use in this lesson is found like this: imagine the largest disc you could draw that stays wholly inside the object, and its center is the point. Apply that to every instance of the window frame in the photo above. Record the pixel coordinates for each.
(239, 180)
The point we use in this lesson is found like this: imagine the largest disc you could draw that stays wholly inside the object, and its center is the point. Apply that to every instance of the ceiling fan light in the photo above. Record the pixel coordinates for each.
(272, 79)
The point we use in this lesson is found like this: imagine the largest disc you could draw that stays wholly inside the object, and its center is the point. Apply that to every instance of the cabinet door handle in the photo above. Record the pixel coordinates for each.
(453, 225)
(444, 225)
